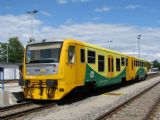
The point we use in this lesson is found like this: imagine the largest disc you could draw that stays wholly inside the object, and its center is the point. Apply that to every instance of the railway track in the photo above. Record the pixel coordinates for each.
(127, 109)
(14, 111)
(19, 110)
(153, 113)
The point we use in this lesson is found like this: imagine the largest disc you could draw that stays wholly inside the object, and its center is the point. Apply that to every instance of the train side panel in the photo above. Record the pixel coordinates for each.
(111, 74)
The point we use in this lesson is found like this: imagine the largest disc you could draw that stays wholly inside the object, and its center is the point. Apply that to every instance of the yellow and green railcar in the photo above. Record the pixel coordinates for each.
(51, 70)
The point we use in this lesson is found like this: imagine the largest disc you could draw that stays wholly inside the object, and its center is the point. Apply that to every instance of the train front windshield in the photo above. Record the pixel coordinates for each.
(43, 53)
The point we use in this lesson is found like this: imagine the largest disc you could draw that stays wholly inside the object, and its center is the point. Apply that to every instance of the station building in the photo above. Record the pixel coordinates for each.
(9, 71)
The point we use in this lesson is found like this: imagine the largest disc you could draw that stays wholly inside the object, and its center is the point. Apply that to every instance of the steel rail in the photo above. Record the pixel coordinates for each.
(2, 109)
(26, 112)
(113, 110)
(152, 109)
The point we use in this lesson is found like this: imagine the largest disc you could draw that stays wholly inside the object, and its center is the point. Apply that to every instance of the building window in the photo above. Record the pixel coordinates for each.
(71, 54)
(100, 63)
(123, 61)
(91, 57)
(82, 56)
(118, 68)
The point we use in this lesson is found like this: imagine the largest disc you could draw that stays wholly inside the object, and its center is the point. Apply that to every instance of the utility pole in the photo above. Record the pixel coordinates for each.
(32, 13)
(139, 37)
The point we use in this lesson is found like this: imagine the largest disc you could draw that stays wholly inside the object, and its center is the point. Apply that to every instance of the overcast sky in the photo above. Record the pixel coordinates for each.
(92, 21)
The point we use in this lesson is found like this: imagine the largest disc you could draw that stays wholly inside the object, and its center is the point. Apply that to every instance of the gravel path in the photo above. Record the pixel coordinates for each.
(94, 106)
(139, 107)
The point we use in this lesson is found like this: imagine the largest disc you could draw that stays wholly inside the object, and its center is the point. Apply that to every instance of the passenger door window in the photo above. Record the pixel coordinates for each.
(71, 54)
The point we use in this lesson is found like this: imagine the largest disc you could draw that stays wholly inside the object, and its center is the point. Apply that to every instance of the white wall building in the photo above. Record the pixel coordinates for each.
(11, 71)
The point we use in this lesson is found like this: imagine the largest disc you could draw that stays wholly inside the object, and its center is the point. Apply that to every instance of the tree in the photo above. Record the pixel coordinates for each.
(3, 52)
(31, 40)
(16, 50)
(156, 64)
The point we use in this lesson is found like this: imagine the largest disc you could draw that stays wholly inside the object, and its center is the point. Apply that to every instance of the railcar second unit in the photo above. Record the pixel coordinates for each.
(51, 70)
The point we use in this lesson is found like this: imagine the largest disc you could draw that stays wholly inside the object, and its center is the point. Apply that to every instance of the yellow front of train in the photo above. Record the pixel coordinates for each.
(43, 71)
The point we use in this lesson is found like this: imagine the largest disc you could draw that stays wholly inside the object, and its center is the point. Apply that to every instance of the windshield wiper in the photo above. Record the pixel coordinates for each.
(41, 61)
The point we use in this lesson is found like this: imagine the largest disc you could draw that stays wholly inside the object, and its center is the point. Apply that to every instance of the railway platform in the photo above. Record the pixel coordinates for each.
(11, 95)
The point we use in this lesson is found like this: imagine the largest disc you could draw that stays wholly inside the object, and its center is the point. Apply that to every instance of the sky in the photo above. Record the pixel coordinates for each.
(92, 21)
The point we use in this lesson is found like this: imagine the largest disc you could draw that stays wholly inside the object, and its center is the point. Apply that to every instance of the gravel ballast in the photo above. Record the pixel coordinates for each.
(139, 107)
(92, 107)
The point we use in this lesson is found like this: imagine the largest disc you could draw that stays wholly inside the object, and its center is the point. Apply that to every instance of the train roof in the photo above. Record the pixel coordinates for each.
(98, 47)
(90, 45)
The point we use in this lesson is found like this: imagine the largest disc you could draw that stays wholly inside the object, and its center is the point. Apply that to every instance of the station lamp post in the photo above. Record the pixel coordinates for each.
(32, 13)
(109, 43)
(139, 37)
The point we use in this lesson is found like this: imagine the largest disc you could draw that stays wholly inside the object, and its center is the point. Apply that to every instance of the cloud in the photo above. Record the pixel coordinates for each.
(69, 21)
(62, 1)
(124, 37)
(72, 1)
(46, 13)
(12, 25)
(132, 7)
(103, 9)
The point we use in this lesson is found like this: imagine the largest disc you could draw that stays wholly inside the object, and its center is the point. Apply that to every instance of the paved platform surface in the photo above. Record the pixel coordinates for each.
(12, 93)
(11, 87)
(92, 107)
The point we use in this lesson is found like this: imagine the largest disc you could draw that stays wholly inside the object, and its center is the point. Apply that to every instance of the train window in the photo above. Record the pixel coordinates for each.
(132, 64)
(109, 65)
(91, 57)
(118, 68)
(100, 63)
(123, 61)
(112, 65)
(82, 55)
(136, 63)
(126, 61)
(71, 54)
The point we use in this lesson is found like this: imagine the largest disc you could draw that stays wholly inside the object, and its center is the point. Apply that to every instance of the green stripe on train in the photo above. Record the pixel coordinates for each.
(92, 75)
(141, 72)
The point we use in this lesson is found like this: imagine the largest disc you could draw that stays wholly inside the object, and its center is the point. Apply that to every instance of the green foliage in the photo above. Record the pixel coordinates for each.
(156, 64)
(31, 40)
(3, 52)
(15, 51)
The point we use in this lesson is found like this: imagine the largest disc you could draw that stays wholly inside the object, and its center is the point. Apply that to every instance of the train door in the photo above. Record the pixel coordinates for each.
(130, 69)
(71, 64)
(110, 67)
(127, 69)
(81, 64)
